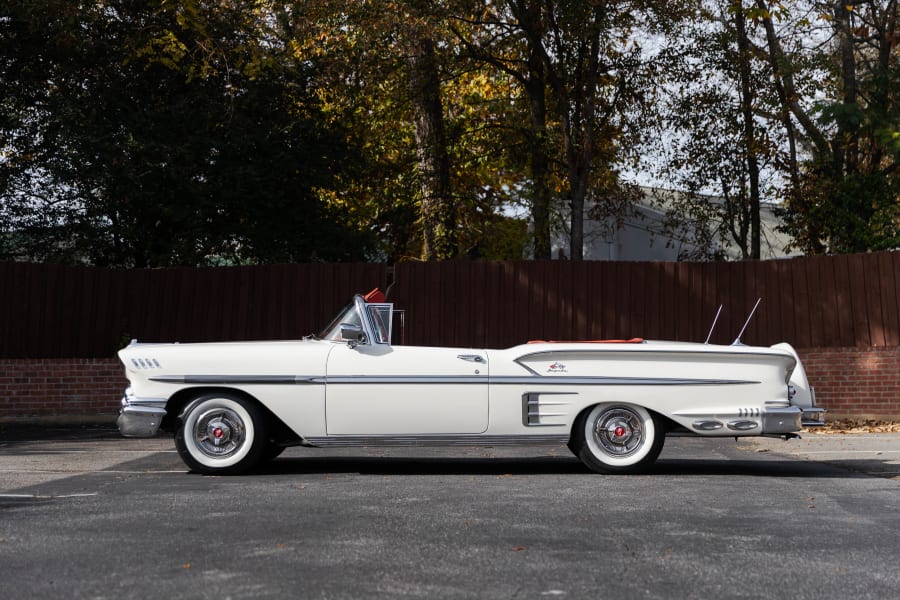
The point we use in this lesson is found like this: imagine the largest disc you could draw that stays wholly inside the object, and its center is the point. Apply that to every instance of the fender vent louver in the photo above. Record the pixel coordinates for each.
(544, 409)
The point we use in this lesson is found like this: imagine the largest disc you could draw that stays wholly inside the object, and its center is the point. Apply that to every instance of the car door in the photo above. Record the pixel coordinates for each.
(403, 390)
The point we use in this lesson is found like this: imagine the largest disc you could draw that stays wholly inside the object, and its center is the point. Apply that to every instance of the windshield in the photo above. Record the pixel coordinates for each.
(349, 314)
(373, 318)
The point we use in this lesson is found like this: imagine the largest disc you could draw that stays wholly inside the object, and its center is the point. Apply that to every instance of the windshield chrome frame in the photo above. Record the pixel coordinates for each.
(359, 305)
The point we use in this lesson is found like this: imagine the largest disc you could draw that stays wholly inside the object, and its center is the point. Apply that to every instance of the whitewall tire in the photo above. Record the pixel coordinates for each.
(617, 438)
(221, 434)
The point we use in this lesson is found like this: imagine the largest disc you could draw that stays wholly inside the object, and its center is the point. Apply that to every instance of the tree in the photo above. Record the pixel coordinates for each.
(379, 74)
(423, 74)
(600, 79)
(584, 81)
(435, 171)
(723, 133)
(172, 133)
(844, 196)
(492, 39)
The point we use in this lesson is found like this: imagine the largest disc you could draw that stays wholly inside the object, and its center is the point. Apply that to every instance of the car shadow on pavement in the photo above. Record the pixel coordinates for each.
(382, 466)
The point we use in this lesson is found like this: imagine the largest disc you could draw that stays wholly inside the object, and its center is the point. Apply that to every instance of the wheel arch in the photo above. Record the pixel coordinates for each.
(278, 431)
(666, 423)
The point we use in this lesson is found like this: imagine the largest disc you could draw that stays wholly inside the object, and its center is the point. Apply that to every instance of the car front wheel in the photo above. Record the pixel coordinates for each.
(221, 434)
(617, 438)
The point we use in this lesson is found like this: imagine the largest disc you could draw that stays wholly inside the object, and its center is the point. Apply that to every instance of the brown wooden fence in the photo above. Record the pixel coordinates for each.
(840, 301)
(845, 301)
(51, 311)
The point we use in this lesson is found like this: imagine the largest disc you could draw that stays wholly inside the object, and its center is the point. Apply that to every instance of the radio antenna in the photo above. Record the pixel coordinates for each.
(713, 326)
(737, 341)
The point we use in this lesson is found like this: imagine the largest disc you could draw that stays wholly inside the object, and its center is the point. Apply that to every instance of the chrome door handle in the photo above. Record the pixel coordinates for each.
(471, 357)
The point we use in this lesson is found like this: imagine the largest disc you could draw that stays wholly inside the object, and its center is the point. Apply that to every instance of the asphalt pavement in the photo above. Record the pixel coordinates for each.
(870, 453)
(85, 513)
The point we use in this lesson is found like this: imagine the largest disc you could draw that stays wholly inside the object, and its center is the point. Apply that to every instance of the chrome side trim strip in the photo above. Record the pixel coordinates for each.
(241, 379)
(407, 379)
(438, 379)
(335, 441)
(588, 380)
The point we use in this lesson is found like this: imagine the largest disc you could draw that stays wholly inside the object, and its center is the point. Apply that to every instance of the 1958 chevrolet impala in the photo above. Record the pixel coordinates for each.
(233, 405)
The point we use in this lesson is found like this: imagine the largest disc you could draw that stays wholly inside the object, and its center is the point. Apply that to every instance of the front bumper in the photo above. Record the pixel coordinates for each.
(140, 417)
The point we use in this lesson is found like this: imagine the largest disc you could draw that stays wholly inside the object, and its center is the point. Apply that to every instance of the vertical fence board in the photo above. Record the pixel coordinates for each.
(875, 302)
(7, 309)
(844, 301)
(858, 300)
(778, 302)
(770, 305)
(791, 290)
(801, 307)
(667, 314)
(698, 302)
(823, 305)
(890, 263)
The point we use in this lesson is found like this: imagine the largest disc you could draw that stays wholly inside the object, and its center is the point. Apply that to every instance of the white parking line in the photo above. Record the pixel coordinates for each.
(847, 451)
(97, 451)
(82, 471)
(41, 497)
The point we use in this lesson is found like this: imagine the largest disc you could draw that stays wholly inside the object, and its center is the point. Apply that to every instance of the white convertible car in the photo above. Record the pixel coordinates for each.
(233, 405)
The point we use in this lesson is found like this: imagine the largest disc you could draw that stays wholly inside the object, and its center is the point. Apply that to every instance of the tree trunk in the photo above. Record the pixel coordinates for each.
(535, 87)
(749, 131)
(786, 79)
(438, 211)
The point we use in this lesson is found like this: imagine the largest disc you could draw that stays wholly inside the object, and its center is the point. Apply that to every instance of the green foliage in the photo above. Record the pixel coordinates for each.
(171, 133)
(162, 132)
(825, 119)
(856, 213)
(844, 193)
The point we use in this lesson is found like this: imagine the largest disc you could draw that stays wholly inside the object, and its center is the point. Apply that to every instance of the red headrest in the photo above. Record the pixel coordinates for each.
(375, 296)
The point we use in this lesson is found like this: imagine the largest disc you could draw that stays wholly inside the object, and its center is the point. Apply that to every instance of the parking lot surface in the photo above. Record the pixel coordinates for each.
(86, 514)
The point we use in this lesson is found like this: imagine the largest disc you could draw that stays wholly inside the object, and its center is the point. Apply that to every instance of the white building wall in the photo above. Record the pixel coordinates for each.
(641, 236)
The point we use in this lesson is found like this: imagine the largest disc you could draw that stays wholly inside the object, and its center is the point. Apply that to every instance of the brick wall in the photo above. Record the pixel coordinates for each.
(60, 389)
(855, 382)
(862, 383)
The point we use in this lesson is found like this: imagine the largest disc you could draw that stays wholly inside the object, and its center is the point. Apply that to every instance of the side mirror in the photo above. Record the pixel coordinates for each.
(353, 334)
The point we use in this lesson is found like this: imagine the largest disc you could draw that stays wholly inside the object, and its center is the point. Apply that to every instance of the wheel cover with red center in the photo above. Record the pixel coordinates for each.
(219, 432)
(619, 432)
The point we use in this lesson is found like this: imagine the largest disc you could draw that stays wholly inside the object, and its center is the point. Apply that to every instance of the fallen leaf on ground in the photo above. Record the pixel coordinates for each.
(856, 426)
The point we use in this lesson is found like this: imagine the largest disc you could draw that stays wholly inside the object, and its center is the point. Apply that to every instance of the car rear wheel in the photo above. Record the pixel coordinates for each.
(221, 434)
(617, 438)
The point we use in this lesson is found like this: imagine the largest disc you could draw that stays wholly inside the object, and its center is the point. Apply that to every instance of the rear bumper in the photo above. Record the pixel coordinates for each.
(782, 420)
(813, 417)
(140, 417)
(791, 419)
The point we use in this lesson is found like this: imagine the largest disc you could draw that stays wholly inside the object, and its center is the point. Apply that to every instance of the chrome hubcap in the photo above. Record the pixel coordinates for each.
(219, 432)
(619, 432)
